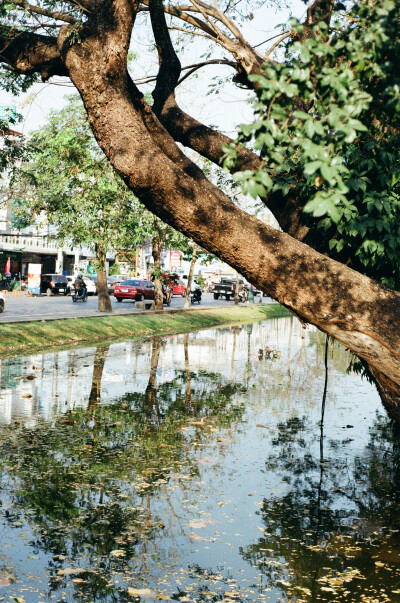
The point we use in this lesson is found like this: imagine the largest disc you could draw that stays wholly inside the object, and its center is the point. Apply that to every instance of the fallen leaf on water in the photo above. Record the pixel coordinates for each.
(4, 582)
(78, 581)
(30, 377)
(26, 396)
(196, 423)
(163, 597)
(67, 422)
(70, 571)
(197, 524)
(118, 553)
(140, 592)
(194, 536)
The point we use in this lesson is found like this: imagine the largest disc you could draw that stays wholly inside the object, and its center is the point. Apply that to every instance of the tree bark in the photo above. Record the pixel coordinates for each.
(190, 277)
(104, 301)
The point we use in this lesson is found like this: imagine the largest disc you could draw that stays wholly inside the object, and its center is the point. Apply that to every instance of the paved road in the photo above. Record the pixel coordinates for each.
(23, 308)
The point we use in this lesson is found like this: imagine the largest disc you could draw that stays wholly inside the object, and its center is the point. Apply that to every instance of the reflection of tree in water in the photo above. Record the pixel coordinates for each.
(86, 482)
(334, 531)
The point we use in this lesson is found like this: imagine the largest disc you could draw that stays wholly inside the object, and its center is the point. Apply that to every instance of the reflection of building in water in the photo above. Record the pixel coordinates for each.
(43, 385)
(48, 384)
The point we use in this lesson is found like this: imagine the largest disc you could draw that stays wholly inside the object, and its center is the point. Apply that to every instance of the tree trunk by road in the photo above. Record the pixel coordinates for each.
(236, 298)
(158, 240)
(190, 277)
(104, 300)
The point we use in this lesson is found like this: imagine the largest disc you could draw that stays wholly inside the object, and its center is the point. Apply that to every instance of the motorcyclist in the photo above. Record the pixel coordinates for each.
(195, 291)
(80, 286)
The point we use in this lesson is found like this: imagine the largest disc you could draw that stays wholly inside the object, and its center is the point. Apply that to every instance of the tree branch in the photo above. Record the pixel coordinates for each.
(170, 66)
(194, 68)
(153, 78)
(47, 13)
(192, 33)
(172, 10)
(29, 53)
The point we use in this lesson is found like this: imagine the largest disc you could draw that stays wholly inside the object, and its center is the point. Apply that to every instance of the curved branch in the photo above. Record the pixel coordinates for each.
(276, 44)
(195, 21)
(37, 10)
(194, 68)
(170, 66)
(192, 33)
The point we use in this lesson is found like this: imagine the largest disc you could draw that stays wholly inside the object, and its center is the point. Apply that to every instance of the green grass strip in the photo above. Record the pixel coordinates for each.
(30, 336)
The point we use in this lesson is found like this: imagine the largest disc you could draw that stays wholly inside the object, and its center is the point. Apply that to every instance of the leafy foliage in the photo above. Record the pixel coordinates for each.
(327, 127)
(84, 199)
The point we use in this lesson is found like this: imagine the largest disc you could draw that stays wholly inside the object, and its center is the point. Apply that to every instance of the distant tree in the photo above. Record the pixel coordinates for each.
(84, 199)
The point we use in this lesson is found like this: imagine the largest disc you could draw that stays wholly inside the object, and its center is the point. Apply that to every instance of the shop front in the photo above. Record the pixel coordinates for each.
(15, 264)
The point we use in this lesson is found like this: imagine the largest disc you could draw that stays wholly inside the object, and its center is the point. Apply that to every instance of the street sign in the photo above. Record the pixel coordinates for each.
(175, 259)
(34, 274)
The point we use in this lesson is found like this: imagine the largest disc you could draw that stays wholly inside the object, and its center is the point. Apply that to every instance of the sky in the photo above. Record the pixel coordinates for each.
(225, 110)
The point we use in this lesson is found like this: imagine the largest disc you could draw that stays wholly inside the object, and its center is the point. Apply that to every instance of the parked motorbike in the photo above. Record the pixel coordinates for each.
(79, 295)
(195, 296)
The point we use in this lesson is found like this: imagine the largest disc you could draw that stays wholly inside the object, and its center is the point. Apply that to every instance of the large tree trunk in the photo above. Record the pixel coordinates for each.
(354, 309)
(104, 301)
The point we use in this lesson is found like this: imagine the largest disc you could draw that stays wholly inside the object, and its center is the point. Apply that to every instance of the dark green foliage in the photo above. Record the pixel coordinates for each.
(327, 126)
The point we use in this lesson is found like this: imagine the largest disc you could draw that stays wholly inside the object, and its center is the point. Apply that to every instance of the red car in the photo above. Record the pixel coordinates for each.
(179, 288)
(134, 289)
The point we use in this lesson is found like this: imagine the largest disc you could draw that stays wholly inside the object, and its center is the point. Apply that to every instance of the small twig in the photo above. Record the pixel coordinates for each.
(286, 35)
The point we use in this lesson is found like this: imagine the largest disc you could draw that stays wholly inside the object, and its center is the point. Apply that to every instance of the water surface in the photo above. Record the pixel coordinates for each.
(195, 468)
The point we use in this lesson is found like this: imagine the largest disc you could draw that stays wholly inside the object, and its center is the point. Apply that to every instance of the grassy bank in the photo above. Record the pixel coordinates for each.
(30, 336)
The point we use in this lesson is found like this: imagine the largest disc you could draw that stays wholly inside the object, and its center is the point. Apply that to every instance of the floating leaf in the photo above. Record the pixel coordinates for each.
(71, 571)
(118, 553)
(140, 592)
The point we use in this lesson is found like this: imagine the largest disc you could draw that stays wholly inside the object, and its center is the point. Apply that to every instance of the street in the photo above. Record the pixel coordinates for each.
(22, 308)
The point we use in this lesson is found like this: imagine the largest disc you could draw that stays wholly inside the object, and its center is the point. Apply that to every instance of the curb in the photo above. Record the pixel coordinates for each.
(98, 314)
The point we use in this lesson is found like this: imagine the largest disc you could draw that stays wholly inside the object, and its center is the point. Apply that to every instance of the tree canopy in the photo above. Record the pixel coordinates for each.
(335, 79)
(85, 201)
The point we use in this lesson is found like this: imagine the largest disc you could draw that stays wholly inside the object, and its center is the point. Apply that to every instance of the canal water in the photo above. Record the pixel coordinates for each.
(196, 468)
